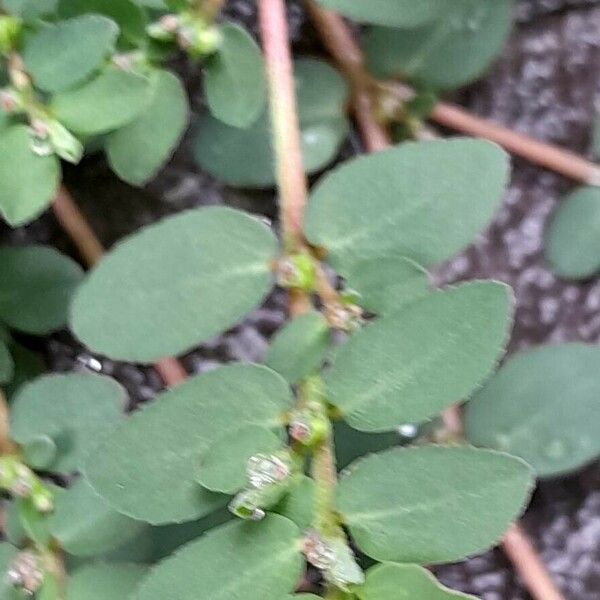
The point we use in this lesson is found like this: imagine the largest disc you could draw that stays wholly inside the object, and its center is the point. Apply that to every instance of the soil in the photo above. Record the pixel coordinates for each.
(545, 85)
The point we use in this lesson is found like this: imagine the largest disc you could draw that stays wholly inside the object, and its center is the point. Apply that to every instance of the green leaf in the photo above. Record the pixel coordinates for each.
(425, 200)
(404, 582)
(37, 285)
(8, 554)
(408, 367)
(432, 504)
(108, 102)
(387, 284)
(62, 55)
(34, 523)
(76, 411)
(351, 444)
(223, 466)
(30, 10)
(244, 157)
(175, 284)
(130, 18)
(448, 52)
(105, 581)
(299, 504)
(573, 240)
(85, 525)
(254, 561)
(28, 182)
(542, 406)
(393, 13)
(300, 347)
(7, 365)
(160, 486)
(235, 78)
(137, 151)
(40, 452)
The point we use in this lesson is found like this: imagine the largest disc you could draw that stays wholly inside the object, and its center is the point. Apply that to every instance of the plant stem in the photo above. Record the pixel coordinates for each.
(342, 45)
(74, 223)
(339, 40)
(7, 446)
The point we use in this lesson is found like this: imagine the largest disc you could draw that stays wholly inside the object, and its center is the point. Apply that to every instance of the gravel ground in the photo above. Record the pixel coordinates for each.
(546, 85)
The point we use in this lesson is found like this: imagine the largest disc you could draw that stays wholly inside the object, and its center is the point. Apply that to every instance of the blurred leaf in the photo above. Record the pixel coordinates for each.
(175, 284)
(105, 581)
(351, 444)
(573, 240)
(160, 486)
(235, 78)
(35, 523)
(299, 504)
(404, 582)
(8, 554)
(408, 367)
(37, 283)
(28, 365)
(542, 406)
(62, 55)
(76, 411)
(28, 182)
(426, 201)
(40, 452)
(223, 467)
(299, 348)
(254, 561)
(137, 151)
(432, 504)
(111, 100)
(85, 525)
(244, 157)
(448, 52)
(30, 9)
(7, 365)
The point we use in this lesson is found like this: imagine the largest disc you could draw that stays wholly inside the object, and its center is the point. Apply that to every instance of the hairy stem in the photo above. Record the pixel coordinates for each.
(74, 223)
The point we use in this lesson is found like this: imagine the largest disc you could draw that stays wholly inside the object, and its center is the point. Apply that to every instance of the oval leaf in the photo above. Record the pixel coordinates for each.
(64, 54)
(40, 452)
(299, 505)
(254, 561)
(76, 411)
(28, 182)
(573, 242)
(223, 467)
(108, 102)
(235, 78)
(182, 425)
(105, 581)
(85, 525)
(37, 283)
(408, 367)
(175, 284)
(29, 10)
(137, 151)
(300, 347)
(542, 406)
(447, 52)
(426, 201)
(432, 504)
(405, 582)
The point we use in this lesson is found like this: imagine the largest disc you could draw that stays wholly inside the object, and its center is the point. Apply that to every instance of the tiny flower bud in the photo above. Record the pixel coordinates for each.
(25, 573)
(43, 500)
(169, 23)
(297, 271)
(318, 553)
(9, 101)
(10, 29)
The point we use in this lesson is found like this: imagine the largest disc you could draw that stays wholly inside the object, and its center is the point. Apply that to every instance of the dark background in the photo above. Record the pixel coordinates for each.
(547, 84)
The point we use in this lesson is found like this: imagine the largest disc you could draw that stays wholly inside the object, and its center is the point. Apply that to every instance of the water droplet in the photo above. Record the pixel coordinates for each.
(263, 470)
(317, 551)
(89, 362)
(408, 430)
(245, 507)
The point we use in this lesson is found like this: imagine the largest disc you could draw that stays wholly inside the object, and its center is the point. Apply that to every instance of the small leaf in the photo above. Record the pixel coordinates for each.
(137, 151)
(404, 582)
(7, 365)
(387, 284)
(85, 525)
(244, 157)
(234, 78)
(40, 452)
(447, 52)
(542, 406)
(254, 561)
(76, 411)
(432, 504)
(159, 486)
(105, 581)
(299, 504)
(30, 10)
(426, 201)
(223, 466)
(108, 102)
(34, 523)
(408, 367)
(573, 241)
(300, 347)
(36, 289)
(130, 18)
(175, 284)
(62, 55)
(28, 182)
(351, 444)
(393, 13)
